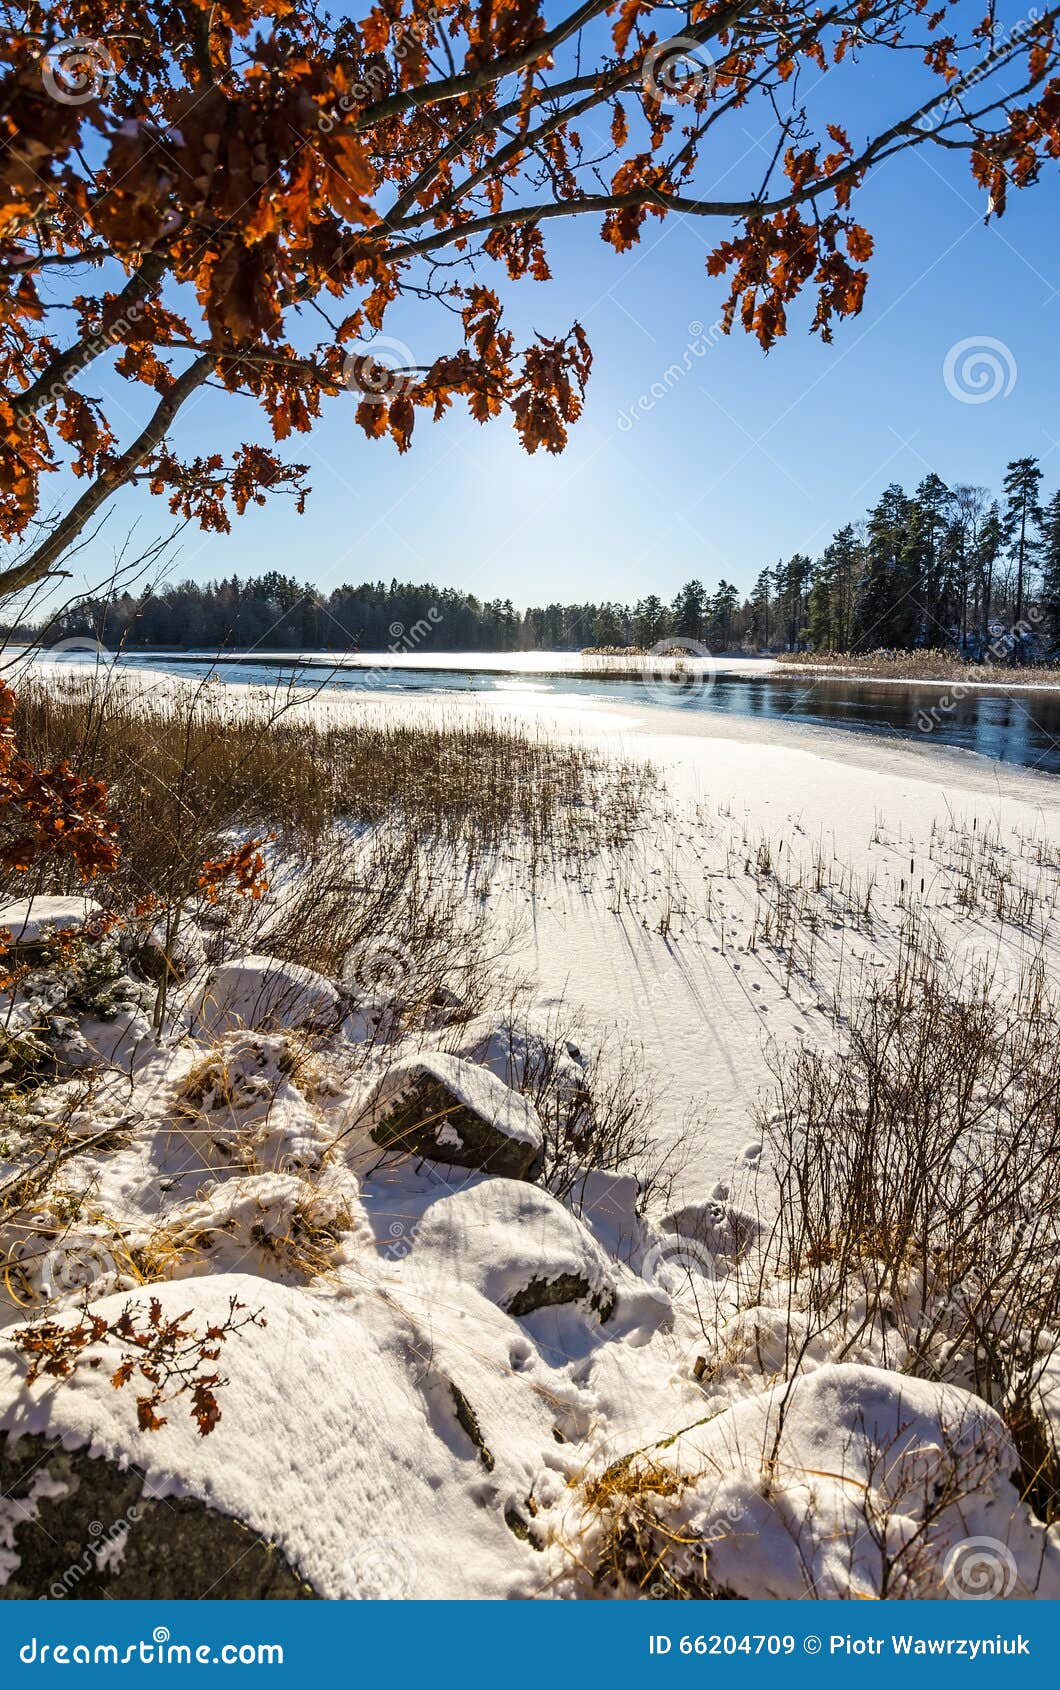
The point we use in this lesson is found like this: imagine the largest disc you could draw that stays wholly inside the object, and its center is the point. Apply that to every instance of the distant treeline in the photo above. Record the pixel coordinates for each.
(943, 567)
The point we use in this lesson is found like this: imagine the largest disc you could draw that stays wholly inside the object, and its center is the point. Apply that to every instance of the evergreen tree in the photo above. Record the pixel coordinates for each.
(1050, 565)
(761, 605)
(609, 626)
(793, 579)
(933, 501)
(649, 621)
(1021, 517)
(833, 594)
(819, 617)
(888, 610)
(953, 559)
(688, 611)
(723, 607)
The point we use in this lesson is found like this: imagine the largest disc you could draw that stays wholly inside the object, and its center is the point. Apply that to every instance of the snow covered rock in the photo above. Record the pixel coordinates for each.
(519, 1247)
(183, 954)
(30, 920)
(524, 1056)
(261, 992)
(448, 1110)
(338, 1443)
(373, 1019)
(607, 1202)
(55, 1545)
(853, 1482)
(723, 1230)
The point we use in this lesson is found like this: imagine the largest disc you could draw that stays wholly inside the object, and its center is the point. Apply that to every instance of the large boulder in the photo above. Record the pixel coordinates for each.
(337, 1449)
(261, 993)
(448, 1110)
(78, 1527)
(848, 1482)
(519, 1247)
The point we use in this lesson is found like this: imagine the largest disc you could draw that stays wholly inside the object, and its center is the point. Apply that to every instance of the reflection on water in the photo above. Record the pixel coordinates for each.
(1021, 728)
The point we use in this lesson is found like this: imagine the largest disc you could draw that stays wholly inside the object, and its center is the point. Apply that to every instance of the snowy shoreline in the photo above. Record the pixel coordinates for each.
(553, 665)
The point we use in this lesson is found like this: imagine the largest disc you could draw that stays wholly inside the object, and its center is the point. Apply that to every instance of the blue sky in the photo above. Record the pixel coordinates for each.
(744, 458)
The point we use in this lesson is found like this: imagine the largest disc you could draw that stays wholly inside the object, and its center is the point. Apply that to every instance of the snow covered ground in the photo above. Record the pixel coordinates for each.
(467, 1386)
(840, 819)
(670, 947)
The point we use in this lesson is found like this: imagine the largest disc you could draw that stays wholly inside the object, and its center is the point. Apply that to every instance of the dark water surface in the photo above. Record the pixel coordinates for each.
(1021, 727)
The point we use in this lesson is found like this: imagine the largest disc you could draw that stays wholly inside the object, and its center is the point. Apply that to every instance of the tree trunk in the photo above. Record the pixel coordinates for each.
(43, 561)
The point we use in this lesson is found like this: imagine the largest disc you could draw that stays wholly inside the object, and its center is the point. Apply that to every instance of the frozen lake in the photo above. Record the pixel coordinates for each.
(1019, 727)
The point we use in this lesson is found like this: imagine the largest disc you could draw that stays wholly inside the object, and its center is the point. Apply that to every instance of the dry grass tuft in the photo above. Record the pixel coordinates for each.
(635, 1545)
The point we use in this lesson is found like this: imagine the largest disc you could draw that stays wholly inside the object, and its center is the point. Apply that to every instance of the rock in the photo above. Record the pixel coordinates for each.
(448, 1110)
(74, 1527)
(865, 1463)
(30, 920)
(444, 1008)
(374, 1020)
(519, 1054)
(520, 1248)
(261, 993)
(185, 954)
(607, 1202)
(544, 1293)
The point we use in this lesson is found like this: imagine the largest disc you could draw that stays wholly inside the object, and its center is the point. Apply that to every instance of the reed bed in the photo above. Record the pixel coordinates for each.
(921, 666)
(190, 766)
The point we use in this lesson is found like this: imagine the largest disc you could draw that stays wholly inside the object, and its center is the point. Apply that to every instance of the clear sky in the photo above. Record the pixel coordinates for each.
(743, 458)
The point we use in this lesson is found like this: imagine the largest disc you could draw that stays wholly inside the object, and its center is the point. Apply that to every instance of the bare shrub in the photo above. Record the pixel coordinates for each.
(387, 916)
(918, 1182)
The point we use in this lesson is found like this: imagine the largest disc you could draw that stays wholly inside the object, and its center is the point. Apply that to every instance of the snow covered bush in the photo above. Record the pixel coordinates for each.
(918, 1195)
(851, 1482)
